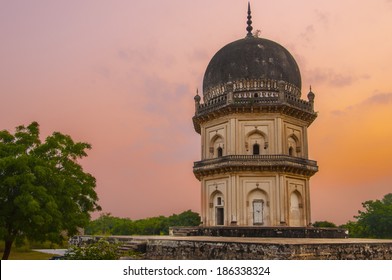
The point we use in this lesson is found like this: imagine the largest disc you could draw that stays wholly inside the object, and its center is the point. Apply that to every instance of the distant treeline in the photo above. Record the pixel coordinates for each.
(106, 224)
(375, 221)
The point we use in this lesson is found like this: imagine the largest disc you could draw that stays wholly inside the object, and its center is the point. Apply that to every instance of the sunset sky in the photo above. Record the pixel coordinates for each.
(122, 75)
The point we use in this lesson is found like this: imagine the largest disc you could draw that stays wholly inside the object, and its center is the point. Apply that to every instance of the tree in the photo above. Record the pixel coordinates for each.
(376, 220)
(44, 191)
(324, 224)
(354, 229)
(106, 224)
(186, 218)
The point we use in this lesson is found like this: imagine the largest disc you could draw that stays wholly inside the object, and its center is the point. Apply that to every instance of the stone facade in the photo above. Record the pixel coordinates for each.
(254, 167)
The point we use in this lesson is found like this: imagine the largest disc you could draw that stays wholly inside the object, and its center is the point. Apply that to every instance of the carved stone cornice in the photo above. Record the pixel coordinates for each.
(259, 163)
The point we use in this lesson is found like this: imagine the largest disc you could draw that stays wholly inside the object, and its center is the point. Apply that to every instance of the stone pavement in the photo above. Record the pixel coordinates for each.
(58, 252)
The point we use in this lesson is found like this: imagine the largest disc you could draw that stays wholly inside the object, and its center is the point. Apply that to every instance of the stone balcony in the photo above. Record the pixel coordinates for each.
(266, 163)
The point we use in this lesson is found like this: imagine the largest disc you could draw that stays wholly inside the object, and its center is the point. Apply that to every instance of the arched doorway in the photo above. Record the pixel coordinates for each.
(257, 208)
(296, 210)
(218, 209)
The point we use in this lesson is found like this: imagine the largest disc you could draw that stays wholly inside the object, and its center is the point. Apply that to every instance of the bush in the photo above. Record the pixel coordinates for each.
(100, 250)
(324, 224)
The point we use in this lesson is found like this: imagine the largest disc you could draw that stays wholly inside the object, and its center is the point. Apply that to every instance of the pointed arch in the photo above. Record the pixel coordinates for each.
(293, 145)
(217, 146)
(296, 209)
(217, 209)
(258, 208)
(256, 142)
(256, 131)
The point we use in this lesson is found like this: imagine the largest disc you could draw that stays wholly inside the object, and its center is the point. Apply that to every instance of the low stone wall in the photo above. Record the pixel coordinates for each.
(254, 231)
(202, 250)
(234, 248)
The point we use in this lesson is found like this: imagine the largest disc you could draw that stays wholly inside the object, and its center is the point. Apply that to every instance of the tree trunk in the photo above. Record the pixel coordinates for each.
(7, 249)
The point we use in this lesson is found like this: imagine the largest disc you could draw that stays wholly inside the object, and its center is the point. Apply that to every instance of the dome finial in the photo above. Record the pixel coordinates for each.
(197, 96)
(249, 28)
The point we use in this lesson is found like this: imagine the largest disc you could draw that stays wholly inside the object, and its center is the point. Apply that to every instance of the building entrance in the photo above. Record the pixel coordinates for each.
(258, 212)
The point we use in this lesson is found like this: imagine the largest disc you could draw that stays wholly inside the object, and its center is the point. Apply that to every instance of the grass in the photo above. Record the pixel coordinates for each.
(28, 255)
(25, 251)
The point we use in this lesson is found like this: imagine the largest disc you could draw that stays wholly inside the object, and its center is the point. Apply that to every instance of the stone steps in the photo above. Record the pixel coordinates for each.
(183, 231)
(138, 246)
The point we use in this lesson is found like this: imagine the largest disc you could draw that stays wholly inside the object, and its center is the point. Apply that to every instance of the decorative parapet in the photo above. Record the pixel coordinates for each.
(273, 163)
(254, 98)
(251, 85)
(254, 101)
(214, 104)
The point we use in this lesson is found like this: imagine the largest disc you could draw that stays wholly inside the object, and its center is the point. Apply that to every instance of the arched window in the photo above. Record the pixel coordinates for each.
(220, 151)
(217, 145)
(292, 142)
(256, 149)
(256, 143)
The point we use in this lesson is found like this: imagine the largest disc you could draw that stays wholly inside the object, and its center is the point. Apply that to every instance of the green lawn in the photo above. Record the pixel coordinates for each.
(30, 255)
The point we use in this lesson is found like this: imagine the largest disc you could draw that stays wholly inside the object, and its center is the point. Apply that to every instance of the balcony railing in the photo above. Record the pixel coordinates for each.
(284, 163)
(254, 99)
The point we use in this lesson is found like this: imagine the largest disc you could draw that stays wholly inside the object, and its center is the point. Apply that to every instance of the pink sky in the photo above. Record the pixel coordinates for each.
(121, 75)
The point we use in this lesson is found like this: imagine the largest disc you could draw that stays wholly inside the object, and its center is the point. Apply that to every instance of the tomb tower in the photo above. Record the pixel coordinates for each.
(254, 168)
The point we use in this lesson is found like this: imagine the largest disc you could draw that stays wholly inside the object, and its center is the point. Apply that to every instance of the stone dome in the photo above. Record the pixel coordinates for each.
(251, 58)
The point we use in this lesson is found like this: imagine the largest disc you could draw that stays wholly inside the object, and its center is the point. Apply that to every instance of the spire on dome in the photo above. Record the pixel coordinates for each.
(197, 96)
(311, 95)
(249, 28)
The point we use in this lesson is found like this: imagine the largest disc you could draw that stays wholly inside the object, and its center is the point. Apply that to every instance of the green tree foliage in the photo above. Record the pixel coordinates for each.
(106, 224)
(44, 191)
(324, 224)
(376, 220)
(354, 229)
(100, 250)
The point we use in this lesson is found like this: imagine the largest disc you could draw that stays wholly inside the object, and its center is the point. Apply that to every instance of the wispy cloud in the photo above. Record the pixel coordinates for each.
(332, 78)
(322, 17)
(308, 34)
(377, 99)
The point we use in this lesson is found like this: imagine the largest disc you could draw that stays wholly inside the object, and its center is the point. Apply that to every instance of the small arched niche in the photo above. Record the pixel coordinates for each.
(293, 146)
(256, 143)
(217, 146)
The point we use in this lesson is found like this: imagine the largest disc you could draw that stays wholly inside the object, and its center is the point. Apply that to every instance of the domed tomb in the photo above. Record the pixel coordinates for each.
(251, 58)
(254, 168)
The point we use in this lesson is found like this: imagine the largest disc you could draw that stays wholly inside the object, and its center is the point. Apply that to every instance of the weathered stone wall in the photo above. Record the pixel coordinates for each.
(279, 232)
(229, 248)
(202, 250)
